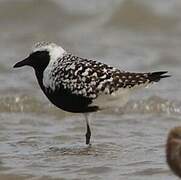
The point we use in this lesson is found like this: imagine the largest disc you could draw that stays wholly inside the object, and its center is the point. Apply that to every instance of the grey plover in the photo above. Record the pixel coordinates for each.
(173, 150)
(75, 84)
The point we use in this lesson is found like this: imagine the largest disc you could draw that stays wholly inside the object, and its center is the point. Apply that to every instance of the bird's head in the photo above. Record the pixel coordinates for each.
(42, 54)
(175, 134)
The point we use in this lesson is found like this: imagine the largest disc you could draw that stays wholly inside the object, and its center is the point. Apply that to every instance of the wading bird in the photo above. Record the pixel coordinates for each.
(76, 84)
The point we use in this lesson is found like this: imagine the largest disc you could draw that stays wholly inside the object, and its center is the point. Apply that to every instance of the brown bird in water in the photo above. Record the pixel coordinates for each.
(173, 150)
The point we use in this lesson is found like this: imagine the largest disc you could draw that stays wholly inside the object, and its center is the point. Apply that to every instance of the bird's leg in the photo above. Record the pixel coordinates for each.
(88, 133)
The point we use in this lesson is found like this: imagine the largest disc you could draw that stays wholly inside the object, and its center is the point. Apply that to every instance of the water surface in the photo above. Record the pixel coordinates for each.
(39, 141)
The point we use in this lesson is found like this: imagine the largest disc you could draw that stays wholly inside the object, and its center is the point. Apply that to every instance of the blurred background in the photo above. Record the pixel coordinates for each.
(39, 141)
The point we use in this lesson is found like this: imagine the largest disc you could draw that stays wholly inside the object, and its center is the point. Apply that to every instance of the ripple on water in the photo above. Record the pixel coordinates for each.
(101, 149)
(153, 104)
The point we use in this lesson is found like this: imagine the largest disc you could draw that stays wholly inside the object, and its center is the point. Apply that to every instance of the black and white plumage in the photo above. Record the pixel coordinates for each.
(76, 84)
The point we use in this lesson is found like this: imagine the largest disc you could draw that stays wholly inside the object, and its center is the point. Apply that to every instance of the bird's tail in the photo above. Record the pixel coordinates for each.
(132, 80)
(156, 76)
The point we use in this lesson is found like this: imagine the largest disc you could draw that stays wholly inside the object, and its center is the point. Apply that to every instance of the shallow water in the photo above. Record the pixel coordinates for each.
(39, 141)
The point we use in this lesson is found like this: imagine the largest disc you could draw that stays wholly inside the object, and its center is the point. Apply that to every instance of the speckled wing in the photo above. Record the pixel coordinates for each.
(90, 78)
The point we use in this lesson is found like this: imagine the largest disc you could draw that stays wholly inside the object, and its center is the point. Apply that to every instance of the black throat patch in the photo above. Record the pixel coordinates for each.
(40, 60)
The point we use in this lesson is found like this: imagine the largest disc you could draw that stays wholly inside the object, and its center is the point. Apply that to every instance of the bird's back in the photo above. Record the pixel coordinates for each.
(88, 79)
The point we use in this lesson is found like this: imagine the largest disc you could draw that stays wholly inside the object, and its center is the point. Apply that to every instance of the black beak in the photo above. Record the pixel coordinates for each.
(24, 62)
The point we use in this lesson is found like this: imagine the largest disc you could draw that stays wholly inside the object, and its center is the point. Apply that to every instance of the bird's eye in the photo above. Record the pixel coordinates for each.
(39, 55)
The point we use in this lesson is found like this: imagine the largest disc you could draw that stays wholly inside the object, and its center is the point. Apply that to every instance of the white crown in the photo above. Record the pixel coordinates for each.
(55, 51)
